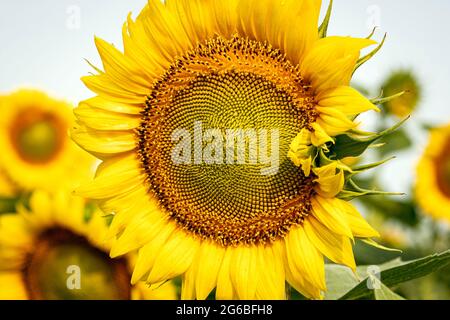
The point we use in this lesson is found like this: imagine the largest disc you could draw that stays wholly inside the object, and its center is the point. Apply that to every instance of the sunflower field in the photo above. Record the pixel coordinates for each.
(224, 150)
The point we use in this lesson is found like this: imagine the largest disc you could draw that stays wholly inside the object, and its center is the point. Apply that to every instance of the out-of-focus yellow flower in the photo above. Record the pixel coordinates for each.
(36, 150)
(52, 251)
(7, 187)
(402, 81)
(433, 175)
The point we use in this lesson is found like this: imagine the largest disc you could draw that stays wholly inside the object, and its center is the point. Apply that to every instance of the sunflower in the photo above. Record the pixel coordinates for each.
(227, 224)
(44, 248)
(402, 81)
(36, 149)
(433, 175)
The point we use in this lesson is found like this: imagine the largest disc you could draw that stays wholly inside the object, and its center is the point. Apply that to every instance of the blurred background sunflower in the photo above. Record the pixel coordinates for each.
(54, 250)
(37, 157)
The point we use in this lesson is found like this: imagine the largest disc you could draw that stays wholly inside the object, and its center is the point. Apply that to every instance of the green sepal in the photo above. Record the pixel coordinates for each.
(383, 100)
(348, 145)
(323, 29)
(372, 33)
(370, 166)
(353, 191)
(375, 244)
(93, 67)
(369, 56)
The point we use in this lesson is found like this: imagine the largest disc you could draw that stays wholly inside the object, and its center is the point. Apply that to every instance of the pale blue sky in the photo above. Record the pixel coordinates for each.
(42, 47)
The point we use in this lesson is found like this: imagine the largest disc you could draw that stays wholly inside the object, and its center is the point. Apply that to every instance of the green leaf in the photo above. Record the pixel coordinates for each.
(397, 272)
(382, 292)
(371, 54)
(340, 280)
(348, 145)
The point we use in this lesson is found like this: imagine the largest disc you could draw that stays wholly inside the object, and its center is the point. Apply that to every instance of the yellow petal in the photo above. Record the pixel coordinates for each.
(104, 86)
(244, 274)
(103, 144)
(330, 214)
(225, 290)
(112, 106)
(346, 100)
(122, 69)
(331, 62)
(327, 170)
(143, 228)
(360, 227)
(12, 286)
(330, 186)
(334, 246)
(174, 258)
(100, 119)
(298, 281)
(271, 282)
(319, 136)
(209, 263)
(148, 253)
(114, 177)
(334, 121)
(304, 257)
(291, 25)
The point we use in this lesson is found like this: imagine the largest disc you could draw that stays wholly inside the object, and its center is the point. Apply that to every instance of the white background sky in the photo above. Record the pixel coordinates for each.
(42, 46)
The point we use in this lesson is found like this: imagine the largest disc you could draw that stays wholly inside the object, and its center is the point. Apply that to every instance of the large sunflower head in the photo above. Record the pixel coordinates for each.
(53, 250)
(433, 175)
(36, 149)
(221, 127)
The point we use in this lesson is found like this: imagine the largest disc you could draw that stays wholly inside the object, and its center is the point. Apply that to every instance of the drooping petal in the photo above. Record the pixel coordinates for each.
(304, 258)
(329, 213)
(360, 227)
(330, 185)
(336, 247)
(346, 100)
